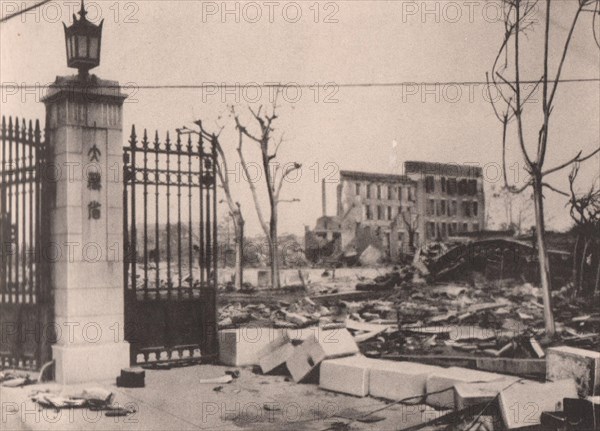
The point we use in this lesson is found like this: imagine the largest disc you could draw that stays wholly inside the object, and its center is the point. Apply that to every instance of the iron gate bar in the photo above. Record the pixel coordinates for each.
(201, 253)
(190, 245)
(179, 209)
(169, 280)
(156, 206)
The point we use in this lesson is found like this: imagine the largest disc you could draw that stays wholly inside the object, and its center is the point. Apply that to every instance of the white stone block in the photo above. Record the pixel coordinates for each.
(522, 404)
(579, 364)
(447, 378)
(89, 362)
(471, 394)
(399, 380)
(244, 346)
(327, 344)
(275, 355)
(349, 375)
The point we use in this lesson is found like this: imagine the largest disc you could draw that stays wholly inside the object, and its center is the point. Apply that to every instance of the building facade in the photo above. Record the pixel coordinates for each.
(378, 208)
(397, 213)
(450, 198)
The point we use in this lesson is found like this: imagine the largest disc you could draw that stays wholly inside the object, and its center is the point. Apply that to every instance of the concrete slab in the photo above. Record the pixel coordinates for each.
(447, 378)
(579, 364)
(522, 404)
(399, 380)
(471, 394)
(275, 357)
(244, 346)
(349, 375)
(326, 344)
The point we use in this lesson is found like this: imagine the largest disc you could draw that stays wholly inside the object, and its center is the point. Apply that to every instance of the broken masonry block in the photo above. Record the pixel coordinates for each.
(472, 394)
(243, 346)
(131, 378)
(399, 380)
(579, 364)
(445, 380)
(275, 357)
(348, 375)
(325, 344)
(522, 404)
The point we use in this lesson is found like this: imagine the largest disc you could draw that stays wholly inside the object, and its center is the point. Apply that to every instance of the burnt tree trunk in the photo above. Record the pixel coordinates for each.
(544, 262)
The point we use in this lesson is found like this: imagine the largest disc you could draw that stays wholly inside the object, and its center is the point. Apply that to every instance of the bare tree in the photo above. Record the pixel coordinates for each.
(518, 20)
(274, 176)
(235, 211)
(585, 212)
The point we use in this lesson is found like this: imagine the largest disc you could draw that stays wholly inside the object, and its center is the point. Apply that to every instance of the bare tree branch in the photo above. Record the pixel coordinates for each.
(576, 159)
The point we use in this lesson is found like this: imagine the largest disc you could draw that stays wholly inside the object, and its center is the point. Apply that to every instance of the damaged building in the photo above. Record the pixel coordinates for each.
(395, 214)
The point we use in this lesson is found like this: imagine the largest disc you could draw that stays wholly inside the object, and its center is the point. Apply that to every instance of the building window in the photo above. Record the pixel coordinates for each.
(476, 227)
(357, 189)
(472, 187)
(431, 207)
(475, 209)
(443, 184)
(378, 192)
(444, 232)
(389, 213)
(399, 193)
(411, 194)
(465, 227)
(368, 212)
(466, 209)
(379, 213)
(452, 228)
(451, 186)
(369, 191)
(462, 187)
(429, 184)
(390, 192)
(443, 207)
(453, 210)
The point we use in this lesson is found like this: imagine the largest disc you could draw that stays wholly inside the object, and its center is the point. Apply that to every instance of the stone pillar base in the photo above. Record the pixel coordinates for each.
(87, 363)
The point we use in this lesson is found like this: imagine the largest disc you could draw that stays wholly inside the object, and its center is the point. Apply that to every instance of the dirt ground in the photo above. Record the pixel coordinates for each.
(175, 400)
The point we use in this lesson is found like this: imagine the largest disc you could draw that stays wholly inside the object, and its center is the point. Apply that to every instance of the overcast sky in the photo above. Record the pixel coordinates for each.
(156, 43)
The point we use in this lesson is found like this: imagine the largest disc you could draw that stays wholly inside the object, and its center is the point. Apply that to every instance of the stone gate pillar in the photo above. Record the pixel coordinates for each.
(84, 135)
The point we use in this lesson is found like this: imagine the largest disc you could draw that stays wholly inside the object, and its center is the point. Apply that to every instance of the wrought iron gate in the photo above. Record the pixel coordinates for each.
(25, 297)
(170, 237)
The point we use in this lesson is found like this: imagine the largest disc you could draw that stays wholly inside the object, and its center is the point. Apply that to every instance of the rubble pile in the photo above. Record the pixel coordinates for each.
(488, 319)
(466, 397)
(282, 314)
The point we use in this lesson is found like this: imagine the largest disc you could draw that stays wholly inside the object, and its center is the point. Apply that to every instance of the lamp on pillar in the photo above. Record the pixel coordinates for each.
(83, 40)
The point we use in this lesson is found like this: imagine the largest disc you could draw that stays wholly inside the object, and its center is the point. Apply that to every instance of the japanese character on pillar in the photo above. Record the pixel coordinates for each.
(94, 154)
(94, 210)
(94, 181)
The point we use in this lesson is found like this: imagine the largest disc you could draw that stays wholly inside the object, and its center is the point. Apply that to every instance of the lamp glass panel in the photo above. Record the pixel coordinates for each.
(82, 48)
(72, 46)
(94, 48)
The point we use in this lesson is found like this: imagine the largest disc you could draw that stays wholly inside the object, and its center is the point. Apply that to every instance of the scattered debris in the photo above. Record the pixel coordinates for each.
(131, 378)
(212, 380)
